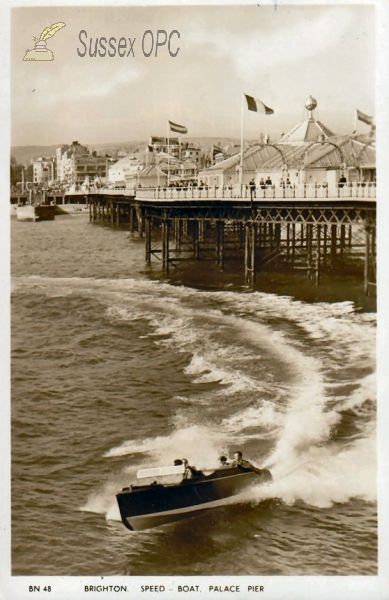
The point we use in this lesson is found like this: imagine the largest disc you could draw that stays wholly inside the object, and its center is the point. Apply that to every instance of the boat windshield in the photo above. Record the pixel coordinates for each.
(162, 475)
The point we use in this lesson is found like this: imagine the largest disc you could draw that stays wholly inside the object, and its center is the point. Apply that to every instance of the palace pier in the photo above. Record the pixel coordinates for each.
(317, 229)
(305, 202)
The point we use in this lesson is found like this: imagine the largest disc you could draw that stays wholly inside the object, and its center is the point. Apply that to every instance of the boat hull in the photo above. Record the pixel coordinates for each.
(41, 212)
(145, 507)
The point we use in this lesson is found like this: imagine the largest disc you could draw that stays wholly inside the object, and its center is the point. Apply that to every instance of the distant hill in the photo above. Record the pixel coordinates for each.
(24, 154)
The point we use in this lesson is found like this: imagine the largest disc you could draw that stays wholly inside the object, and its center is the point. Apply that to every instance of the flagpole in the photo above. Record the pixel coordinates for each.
(241, 142)
(355, 121)
(157, 167)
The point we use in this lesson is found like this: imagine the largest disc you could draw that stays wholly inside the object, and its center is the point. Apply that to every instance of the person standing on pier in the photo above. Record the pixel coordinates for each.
(342, 181)
(252, 189)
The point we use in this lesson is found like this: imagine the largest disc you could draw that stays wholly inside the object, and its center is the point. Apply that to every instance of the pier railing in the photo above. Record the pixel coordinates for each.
(238, 192)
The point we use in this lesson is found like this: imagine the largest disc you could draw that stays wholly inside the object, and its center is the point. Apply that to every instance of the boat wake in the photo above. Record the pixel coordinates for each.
(289, 383)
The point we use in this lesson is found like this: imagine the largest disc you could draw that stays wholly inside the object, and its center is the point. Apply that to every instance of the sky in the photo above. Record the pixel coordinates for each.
(281, 55)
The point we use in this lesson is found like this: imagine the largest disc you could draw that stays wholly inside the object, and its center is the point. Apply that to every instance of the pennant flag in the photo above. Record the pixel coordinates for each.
(364, 118)
(177, 128)
(258, 106)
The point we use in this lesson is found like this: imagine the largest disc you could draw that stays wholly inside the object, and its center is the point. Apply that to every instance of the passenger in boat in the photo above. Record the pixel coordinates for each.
(223, 461)
(190, 472)
(239, 461)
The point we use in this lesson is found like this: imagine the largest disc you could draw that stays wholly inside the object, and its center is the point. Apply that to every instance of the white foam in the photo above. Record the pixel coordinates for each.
(113, 513)
(366, 391)
(322, 476)
(196, 441)
(264, 415)
(100, 500)
(197, 365)
(307, 349)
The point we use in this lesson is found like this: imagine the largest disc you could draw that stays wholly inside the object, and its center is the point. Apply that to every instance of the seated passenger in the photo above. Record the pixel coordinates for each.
(223, 461)
(190, 472)
(239, 461)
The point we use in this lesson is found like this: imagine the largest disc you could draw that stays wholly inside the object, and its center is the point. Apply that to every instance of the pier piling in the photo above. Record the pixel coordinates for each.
(318, 237)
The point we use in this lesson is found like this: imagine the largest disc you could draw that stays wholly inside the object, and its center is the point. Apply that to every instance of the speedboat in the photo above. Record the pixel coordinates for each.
(166, 494)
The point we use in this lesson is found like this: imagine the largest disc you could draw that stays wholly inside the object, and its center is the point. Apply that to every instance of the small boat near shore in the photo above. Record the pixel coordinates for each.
(35, 212)
(167, 494)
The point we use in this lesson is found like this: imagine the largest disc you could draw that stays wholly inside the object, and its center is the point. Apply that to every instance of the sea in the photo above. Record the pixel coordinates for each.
(115, 367)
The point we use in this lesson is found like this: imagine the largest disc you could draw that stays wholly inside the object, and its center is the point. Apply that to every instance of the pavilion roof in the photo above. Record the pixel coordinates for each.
(328, 153)
(307, 131)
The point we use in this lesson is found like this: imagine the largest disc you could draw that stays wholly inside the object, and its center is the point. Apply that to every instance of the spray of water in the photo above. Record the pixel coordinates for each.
(299, 416)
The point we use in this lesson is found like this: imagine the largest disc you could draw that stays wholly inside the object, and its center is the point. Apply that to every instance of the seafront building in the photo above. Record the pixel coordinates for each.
(125, 170)
(174, 148)
(153, 167)
(178, 170)
(169, 145)
(192, 154)
(75, 163)
(44, 170)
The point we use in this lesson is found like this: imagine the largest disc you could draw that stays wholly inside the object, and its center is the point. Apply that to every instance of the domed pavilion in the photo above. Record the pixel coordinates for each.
(309, 153)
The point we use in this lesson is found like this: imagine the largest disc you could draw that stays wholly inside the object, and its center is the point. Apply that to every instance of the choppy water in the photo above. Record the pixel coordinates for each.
(113, 370)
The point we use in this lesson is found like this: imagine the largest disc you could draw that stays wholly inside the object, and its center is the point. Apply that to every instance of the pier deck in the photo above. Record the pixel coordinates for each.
(303, 227)
(310, 227)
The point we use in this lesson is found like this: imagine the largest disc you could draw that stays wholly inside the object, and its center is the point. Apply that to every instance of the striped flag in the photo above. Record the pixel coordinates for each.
(216, 150)
(177, 128)
(364, 118)
(258, 106)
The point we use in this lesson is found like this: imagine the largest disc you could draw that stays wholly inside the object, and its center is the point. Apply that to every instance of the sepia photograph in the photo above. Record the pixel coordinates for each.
(195, 397)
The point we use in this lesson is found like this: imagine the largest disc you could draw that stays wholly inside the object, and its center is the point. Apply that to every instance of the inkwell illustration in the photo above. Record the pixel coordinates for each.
(40, 52)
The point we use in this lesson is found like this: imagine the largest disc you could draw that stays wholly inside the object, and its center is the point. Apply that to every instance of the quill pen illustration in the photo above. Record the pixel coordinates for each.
(40, 51)
(48, 32)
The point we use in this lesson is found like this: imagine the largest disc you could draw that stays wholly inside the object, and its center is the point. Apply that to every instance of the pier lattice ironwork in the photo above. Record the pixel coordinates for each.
(313, 234)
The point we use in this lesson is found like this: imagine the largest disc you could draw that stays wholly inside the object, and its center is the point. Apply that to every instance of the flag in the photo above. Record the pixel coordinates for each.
(216, 150)
(177, 128)
(258, 106)
(364, 118)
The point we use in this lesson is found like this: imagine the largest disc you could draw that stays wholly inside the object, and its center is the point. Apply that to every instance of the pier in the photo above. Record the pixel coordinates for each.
(316, 229)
